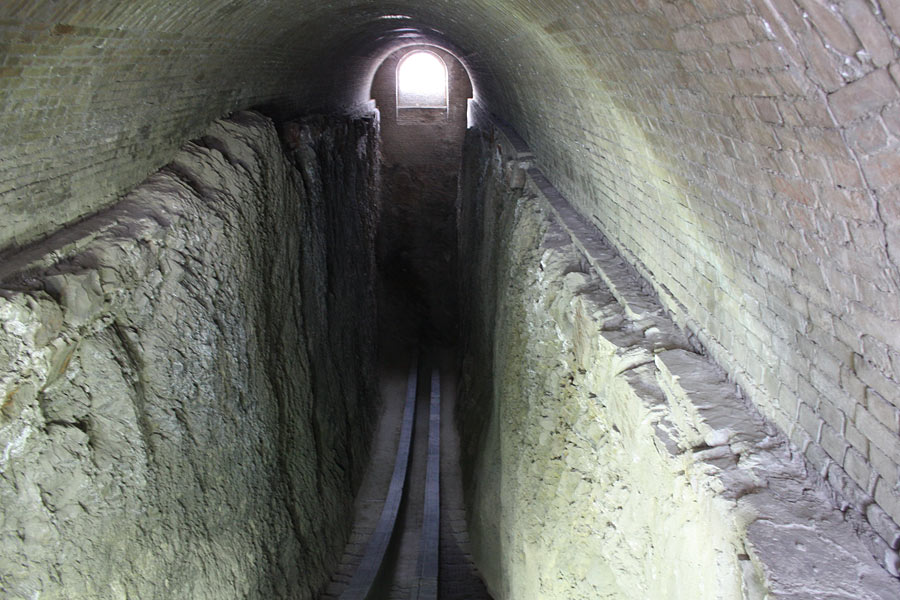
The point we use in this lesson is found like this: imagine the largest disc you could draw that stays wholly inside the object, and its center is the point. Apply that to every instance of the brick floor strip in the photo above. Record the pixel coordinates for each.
(429, 552)
(361, 583)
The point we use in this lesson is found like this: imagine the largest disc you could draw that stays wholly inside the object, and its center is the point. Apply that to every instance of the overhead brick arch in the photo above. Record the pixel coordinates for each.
(743, 155)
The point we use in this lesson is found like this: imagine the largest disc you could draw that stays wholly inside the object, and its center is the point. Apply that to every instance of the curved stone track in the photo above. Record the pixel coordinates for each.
(424, 560)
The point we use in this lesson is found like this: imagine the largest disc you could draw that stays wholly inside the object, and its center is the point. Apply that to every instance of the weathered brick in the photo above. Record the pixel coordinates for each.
(690, 39)
(800, 438)
(889, 206)
(883, 328)
(846, 173)
(834, 31)
(794, 82)
(824, 67)
(879, 435)
(891, 117)
(828, 143)
(883, 524)
(863, 96)
(847, 489)
(895, 364)
(877, 380)
(856, 438)
(817, 457)
(741, 59)
(788, 10)
(852, 204)
(809, 420)
(831, 415)
(891, 11)
(884, 466)
(834, 444)
(873, 36)
(857, 467)
(839, 283)
(892, 234)
(734, 29)
(881, 169)
(768, 110)
(868, 238)
(888, 498)
(886, 413)
(867, 136)
(894, 70)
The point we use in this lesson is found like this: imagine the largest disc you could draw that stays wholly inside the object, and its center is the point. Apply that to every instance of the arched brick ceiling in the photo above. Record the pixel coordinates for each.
(128, 82)
(98, 94)
(744, 153)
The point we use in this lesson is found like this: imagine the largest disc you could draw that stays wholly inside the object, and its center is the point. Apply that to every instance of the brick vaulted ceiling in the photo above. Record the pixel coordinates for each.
(743, 153)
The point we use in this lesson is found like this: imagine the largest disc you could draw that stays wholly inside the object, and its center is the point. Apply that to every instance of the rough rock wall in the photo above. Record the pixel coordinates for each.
(186, 378)
(604, 457)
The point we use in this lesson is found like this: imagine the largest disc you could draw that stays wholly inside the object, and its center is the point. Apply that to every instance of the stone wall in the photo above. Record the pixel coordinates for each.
(180, 373)
(604, 457)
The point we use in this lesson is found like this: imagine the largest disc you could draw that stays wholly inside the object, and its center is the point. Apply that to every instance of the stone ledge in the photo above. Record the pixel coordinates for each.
(802, 545)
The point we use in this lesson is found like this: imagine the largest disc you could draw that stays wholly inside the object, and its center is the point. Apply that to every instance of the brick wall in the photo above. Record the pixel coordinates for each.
(417, 236)
(97, 95)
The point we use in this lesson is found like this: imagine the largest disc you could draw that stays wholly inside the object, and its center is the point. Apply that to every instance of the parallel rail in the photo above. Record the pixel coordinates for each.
(426, 587)
(363, 579)
(362, 585)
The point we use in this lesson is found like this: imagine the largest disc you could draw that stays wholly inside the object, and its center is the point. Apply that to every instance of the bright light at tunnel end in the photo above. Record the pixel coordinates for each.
(422, 81)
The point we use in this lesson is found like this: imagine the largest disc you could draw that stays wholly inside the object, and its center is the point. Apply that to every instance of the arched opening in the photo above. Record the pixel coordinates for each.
(422, 81)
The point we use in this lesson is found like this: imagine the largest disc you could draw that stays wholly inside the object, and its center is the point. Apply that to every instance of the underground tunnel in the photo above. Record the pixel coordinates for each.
(603, 305)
